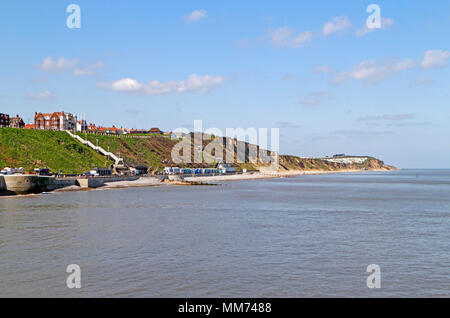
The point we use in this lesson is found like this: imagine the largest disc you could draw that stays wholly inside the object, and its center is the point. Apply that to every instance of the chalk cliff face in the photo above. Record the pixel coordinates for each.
(292, 163)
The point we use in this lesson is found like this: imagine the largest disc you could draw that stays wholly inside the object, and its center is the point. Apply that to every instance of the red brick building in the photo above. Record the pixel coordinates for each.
(55, 121)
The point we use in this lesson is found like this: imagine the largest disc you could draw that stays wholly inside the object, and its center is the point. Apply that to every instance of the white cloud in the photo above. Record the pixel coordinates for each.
(335, 25)
(123, 85)
(372, 71)
(300, 39)
(435, 59)
(44, 96)
(194, 83)
(280, 37)
(88, 70)
(406, 64)
(58, 65)
(62, 64)
(196, 15)
(386, 23)
(285, 37)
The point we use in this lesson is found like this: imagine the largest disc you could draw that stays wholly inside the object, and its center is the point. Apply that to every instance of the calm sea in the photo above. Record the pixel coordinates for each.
(309, 236)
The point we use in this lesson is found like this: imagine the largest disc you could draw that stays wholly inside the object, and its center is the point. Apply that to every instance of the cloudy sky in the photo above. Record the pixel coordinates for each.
(313, 69)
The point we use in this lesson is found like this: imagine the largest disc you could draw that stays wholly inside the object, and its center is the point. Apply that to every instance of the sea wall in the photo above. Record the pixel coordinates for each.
(2, 184)
(23, 184)
(97, 182)
(62, 183)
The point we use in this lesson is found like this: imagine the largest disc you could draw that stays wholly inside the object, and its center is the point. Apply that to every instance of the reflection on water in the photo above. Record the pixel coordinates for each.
(306, 236)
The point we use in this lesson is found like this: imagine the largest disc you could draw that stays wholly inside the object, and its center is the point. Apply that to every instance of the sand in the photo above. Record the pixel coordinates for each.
(141, 182)
(256, 176)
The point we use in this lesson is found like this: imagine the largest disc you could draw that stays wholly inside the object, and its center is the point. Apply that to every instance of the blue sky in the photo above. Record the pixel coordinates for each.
(309, 68)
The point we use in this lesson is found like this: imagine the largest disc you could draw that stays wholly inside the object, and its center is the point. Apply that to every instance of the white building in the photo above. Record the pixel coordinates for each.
(68, 122)
(82, 126)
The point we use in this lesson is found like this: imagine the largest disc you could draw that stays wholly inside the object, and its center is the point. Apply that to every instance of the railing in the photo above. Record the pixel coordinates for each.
(97, 148)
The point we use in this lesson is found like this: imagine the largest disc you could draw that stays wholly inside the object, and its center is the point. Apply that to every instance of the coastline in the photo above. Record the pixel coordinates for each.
(275, 175)
(151, 181)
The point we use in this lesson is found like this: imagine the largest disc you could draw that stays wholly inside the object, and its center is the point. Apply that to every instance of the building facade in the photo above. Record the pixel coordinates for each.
(4, 120)
(16, 122)
(138, 131)
(55, 121)
(82, 126)
(156, 131)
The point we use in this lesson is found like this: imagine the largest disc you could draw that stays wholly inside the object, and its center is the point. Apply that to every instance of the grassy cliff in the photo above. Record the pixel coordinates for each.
(58, 151)
(46, 149)
(153, 152)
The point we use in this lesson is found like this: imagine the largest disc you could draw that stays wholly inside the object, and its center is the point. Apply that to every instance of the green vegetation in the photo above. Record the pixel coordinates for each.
(55, 150)
(58, 151)
(154, 151)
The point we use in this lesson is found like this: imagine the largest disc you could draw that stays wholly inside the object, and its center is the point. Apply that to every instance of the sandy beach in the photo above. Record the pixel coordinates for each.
(256, 176)
(141, 182)
(152, 181)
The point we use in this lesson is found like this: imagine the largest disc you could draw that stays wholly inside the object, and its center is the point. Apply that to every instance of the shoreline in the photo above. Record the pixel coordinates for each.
(275, 175)
(150, 181)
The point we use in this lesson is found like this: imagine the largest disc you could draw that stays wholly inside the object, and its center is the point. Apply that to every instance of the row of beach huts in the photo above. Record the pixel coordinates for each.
(221, 169)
